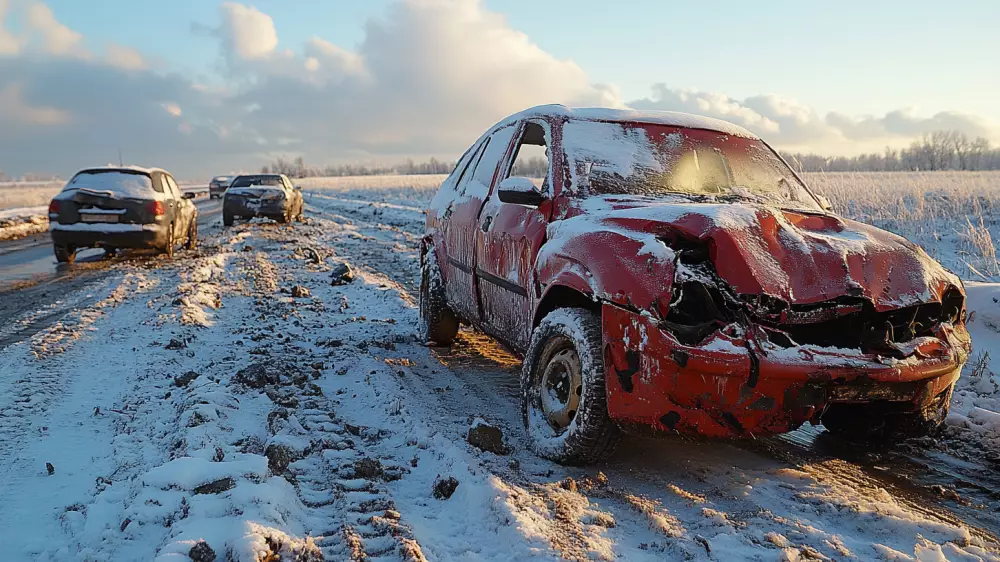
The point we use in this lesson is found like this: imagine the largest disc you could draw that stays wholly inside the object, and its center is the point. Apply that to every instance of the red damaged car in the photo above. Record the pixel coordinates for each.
(669, 271)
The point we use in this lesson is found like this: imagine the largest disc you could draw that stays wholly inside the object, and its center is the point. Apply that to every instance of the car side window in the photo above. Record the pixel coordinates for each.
(173, 186)
(531, 157)
(489, 161)
(159, 183)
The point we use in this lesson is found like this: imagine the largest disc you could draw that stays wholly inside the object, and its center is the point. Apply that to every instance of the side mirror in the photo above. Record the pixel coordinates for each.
(520, 191)
(189, 195)
(824, 203)
(297, 187)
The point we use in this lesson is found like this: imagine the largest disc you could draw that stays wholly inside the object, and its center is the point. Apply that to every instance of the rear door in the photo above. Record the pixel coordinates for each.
(461, 223)
(171, 201)
(184, 208)
(508, 239)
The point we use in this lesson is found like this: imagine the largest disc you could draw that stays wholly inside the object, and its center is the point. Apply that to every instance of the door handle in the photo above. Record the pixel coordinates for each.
(485, 226)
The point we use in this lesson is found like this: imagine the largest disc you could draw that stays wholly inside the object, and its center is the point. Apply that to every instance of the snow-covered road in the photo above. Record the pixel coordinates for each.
(235, 400)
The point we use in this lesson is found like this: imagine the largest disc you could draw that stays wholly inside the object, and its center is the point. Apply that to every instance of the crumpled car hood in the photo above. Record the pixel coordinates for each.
(799, 257)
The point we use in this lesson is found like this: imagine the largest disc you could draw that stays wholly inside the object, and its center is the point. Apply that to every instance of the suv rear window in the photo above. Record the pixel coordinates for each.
(247, 181)
(120, 182)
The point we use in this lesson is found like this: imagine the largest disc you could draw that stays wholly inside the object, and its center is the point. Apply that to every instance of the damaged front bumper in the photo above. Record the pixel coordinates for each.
(726, 386)
(250, 207)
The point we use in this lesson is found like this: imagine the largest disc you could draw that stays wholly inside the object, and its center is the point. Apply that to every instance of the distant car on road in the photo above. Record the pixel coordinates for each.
(121, 207)
(218, 186)
(668, 271)
(262, 195)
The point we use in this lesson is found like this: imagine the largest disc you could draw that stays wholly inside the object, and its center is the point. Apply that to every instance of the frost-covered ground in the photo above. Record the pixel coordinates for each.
(236, 397)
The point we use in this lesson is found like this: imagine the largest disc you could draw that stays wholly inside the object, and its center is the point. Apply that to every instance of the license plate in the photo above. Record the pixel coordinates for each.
(86, 217)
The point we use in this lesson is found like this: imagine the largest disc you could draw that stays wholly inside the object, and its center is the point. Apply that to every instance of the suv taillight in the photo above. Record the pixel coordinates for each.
(157, 208)
(54, 207)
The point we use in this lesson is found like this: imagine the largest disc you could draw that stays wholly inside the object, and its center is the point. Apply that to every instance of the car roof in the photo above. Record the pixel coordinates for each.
(133, 169)
(669, 118)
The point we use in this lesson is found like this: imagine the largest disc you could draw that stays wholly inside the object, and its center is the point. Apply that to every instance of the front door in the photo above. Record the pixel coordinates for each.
(462, 222)
(508, 239)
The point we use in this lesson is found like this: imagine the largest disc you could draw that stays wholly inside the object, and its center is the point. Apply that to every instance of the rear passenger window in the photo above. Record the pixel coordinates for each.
(488, 163)
(173, 186)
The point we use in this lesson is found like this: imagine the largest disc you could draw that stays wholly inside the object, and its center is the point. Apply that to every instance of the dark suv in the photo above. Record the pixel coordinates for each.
(262, 195)
(121, 207)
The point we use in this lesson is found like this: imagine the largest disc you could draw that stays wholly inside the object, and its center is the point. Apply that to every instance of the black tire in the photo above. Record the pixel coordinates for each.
(283, 218)
(873, 424)
(438, 324)
(227, 218)
(192, 237)
(171, 240)
(64, 254)
(580, 431)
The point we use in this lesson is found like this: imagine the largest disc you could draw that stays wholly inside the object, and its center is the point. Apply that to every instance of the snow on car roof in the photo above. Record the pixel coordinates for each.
(139, 169)
(669, 118)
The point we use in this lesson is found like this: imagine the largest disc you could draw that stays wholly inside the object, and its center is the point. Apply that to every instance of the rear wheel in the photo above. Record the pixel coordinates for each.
(438, 323)
(192, 237)
(227, 218)
(65, 254)
(563, 394)
(171, 239)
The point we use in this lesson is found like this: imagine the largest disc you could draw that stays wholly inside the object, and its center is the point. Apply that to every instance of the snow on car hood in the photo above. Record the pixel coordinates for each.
(798, 256)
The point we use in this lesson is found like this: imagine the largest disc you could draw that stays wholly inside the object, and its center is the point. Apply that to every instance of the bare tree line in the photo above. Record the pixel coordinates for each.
(939, 150)
(297, 168)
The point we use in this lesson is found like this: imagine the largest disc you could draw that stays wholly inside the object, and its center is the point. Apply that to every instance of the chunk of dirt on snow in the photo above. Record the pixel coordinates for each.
(342, 274)
(202, 552)
(258, 375)
(445, 487)
(486, 437)
(279, 457)
(216, 486)
(367, 468)
(300, 292)
(185, 379)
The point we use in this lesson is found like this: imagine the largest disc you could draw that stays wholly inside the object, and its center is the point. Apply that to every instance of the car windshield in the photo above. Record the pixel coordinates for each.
(121, 182)
(248, 181)
(609, 158)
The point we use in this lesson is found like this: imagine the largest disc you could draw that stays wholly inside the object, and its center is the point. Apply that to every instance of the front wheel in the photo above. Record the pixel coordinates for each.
(563, 393)
(227, 218)
(65, 254)
(438, 323)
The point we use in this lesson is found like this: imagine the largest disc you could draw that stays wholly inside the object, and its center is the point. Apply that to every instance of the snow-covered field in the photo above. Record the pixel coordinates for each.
(235, 396)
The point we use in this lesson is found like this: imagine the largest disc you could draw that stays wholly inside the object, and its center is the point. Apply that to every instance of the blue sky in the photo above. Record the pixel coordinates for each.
(381, 80)
(854, 56)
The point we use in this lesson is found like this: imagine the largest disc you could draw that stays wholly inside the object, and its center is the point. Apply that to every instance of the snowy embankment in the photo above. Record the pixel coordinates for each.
(255, 399)
(22, 222)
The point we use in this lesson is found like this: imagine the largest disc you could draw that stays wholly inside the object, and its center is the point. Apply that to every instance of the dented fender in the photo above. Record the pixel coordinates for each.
(632, 270)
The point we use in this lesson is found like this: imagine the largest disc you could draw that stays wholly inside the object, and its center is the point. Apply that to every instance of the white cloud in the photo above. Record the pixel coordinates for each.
(426, 80)
(58, 39)
(16, 110)
(172, 108)
(248, 32)
(125, 58)
(9, 44)
(790, 124)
